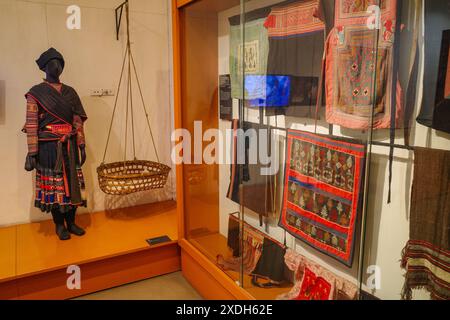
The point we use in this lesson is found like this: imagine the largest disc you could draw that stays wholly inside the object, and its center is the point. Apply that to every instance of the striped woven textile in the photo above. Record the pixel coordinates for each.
(426, 256)
(32, 125)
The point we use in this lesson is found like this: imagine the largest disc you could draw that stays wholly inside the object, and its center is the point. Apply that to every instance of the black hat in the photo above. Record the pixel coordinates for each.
(48, 55)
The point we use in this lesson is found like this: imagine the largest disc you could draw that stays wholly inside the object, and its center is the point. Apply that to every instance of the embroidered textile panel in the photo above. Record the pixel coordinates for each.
(294, 19)
(250, 58)
(359, 67)
(296, 37)
(296, 45)
(322, 192)
(307, 285)
(314, 287)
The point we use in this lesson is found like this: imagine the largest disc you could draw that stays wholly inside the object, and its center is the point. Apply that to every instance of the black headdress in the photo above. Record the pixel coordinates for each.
(48, 55)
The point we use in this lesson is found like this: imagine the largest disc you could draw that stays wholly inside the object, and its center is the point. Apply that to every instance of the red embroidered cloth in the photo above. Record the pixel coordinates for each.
(314, 287)
(295, 19)
(314, 282)
(322, 192)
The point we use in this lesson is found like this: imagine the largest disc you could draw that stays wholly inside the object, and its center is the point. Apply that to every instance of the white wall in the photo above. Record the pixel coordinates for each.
(93, 60)
(387, 224)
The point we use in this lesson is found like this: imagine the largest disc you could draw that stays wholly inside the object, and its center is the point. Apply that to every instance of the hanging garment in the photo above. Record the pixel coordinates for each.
(248, 186)
(322, 192)
(354, 59)
(296, 44)
(269, 266)
(54, 129)
(293, 31)
(426, 256)
(304, 93)
(263, 257)
(251, 251)
(409, 64)
(314, 282)
(445, 67)
(260, 13)
(435, 112)
(249, 58)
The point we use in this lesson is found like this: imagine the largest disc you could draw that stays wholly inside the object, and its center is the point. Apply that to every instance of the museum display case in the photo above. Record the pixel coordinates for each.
(304, 172)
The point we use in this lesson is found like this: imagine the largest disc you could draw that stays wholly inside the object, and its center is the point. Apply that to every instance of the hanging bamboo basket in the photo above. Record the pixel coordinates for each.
(128, 177)
(131, 176)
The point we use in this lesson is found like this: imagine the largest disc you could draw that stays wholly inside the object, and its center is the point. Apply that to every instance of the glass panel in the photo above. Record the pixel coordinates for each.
(303, 189)
(207, 222)
(309, 96)
(407, 238)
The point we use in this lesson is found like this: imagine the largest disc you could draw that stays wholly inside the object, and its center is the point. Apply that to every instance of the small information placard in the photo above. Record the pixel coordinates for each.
(158, 240)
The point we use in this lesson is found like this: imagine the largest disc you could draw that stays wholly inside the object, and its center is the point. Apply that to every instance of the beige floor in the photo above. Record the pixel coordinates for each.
(168, 287)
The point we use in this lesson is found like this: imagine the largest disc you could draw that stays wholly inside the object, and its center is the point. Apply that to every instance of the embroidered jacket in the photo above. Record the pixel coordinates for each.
(34, 114)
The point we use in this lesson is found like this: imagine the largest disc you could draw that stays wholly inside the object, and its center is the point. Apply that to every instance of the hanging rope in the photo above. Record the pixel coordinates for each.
(130, 176)
(115, 105)
(129, 78)
(144, 107)
(126, 119)
(129, 99)
(132, 114)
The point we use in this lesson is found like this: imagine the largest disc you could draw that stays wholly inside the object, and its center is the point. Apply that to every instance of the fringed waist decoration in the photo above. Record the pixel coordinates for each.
(426, 267)
(64, 139)
(66, 166)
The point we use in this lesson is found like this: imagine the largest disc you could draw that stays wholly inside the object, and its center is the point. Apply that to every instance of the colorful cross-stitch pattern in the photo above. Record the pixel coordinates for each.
(322, 191)
(359, 63)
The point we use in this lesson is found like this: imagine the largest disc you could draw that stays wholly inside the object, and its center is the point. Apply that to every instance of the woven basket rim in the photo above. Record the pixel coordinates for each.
(162, 170)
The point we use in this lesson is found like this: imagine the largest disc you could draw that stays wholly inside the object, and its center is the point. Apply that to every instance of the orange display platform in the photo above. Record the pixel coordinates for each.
(209, 246)
(113, 252)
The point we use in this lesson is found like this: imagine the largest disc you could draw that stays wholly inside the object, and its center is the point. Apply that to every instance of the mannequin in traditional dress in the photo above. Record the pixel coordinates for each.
(56, 145)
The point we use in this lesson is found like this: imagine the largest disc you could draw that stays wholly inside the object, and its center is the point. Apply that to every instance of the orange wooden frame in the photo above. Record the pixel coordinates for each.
(176, 40)
(182, 3)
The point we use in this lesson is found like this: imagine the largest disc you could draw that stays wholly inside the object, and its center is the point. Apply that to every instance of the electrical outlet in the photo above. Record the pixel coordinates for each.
(96, 92)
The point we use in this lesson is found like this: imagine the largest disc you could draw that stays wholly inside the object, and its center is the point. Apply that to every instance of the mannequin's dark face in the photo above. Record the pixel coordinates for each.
(53, 70)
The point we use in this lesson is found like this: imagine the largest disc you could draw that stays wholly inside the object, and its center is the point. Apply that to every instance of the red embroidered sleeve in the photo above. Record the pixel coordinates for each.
(32, 125)
(79, 127)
